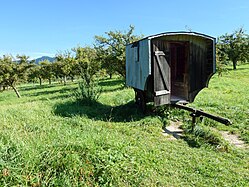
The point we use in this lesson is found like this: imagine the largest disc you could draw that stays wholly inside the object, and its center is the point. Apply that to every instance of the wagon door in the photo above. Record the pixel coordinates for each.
(161, 72)
(202, 65)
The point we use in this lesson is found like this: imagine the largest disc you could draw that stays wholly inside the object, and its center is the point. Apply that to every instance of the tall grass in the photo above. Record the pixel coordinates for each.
(228, 96)
(48, 139)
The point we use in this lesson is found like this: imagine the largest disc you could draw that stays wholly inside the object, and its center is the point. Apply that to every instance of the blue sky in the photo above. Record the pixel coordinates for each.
(47, 27)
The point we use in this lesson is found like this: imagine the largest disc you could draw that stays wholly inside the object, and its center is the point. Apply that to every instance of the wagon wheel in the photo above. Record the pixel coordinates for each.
(141, 101)
(136, 97)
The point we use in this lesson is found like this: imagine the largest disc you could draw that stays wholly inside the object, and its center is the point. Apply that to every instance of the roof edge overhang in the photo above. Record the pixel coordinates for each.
(177, 33)
(180, 33)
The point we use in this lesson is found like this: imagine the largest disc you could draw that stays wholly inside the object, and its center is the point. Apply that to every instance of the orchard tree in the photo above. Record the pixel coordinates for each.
(87, 65)
(89, 90)
(221, 60)
(36, 73)
(12, 72)
(47, 71)
(107, 60)
(57, 67)
(63, 66)
(111, 49)
(22, 59)
(235, 46)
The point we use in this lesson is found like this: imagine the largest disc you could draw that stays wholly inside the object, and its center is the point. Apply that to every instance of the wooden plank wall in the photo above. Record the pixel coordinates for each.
(158, 82)
(201, 60)
(138, 66)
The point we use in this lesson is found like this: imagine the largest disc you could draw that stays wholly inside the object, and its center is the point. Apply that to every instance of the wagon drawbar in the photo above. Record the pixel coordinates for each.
(170, 68)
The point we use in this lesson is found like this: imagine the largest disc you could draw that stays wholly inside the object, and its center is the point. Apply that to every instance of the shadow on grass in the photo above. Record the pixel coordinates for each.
(108, 85)
(98, 111)
(124, 113)
(51, 92)
(191, 142)
(112, 85)
(238, 69)
(110, 82)
(38, 87)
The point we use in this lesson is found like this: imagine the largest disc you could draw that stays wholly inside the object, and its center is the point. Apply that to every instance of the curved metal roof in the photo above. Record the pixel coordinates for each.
(180, 33)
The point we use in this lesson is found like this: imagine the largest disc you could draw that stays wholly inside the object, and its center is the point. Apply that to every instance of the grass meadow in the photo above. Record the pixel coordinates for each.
(48, 139)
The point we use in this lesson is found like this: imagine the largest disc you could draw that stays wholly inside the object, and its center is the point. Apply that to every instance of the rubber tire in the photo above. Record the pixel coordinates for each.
(141, 100)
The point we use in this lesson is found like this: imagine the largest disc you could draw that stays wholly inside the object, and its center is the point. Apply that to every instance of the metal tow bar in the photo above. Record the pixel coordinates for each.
(199, 113)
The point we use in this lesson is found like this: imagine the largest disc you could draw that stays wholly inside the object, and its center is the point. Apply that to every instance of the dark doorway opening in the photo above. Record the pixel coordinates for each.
(179, 70)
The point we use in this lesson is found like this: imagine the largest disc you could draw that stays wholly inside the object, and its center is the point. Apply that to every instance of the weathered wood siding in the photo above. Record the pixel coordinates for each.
(201, 61)
(143, 71)
(138, 64)
(161, 72)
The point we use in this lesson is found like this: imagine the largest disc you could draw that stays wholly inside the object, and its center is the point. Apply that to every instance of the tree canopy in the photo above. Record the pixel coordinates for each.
(63, 65)
(86, 58)
(111, 49)
(234, 47)
(12, 72)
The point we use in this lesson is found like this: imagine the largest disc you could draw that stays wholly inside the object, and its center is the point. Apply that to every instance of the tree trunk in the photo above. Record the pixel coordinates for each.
(65, 80)
(16, 91)
(110, 76)
(40, 81)
(234, 64)
(49, 81)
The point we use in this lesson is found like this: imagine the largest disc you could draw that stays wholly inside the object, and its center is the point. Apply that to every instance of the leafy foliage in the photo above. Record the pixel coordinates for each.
(87, 65)
(12, 72)
(63, 67)
(88, 91)
(43, 70)
(47, 70)
(111, 49)
(221, 61)
(35, 73)
(234, 47)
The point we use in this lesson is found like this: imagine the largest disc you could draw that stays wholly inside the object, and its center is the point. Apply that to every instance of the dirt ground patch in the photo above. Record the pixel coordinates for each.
(173, 131)
(233, 139)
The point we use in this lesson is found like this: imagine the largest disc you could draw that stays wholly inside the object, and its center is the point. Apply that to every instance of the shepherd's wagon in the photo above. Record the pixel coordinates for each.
(170, 67)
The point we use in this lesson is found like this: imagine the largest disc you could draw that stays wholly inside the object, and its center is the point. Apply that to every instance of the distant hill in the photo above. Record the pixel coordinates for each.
(50, 59)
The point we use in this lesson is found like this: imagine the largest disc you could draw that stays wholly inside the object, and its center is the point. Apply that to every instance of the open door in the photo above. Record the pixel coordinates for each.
(202, 66)
(161, 74)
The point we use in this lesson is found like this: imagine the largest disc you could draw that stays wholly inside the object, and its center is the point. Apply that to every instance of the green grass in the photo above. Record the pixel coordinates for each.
(228, 96)
(47, 139)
